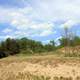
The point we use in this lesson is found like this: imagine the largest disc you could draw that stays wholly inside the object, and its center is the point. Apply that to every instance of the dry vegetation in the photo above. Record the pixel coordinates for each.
(39, 68)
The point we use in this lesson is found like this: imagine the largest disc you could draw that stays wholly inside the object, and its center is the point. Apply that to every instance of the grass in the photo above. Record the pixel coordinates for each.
(40, 67)
(24, 76)
(29, 76)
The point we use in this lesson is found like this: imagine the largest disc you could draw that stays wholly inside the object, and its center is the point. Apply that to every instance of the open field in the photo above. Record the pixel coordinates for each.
(48, 67)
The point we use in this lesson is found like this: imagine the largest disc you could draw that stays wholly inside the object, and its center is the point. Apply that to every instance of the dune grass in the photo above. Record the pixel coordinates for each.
(16, 67)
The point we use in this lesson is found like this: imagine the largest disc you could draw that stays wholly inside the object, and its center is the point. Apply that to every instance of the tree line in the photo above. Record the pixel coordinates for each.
(28, 46)
(24, 45)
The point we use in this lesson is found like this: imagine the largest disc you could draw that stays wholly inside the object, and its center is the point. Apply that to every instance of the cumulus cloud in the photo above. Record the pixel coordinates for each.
(23, 24)
(58, 9)
(38, 17)
(7, 36)
(46, 33)
(34, 29)
(69, 24)
(7, 30)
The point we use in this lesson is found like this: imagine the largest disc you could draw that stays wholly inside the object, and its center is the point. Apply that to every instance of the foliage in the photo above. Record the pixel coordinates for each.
(31, 47)
(71, 42)
(25, 46)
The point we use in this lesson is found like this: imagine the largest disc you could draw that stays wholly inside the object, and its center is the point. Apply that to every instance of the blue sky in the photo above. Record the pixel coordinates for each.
(41, 20)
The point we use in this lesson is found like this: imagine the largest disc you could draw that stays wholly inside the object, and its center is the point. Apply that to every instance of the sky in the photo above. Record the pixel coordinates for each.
(41, 20)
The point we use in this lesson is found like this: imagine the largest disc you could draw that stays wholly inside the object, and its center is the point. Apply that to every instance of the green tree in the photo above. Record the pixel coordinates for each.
(11, 46)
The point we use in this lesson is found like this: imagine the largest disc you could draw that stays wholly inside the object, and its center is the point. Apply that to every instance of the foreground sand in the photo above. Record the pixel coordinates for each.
(14, 68)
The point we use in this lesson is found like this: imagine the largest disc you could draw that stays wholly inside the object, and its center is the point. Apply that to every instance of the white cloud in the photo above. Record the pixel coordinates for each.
(45, 41)
(27, 20)
(23, 24)
(58, 38)
(20, 24)
(34, 29)
(48, 10)
(46, 33)
(7, 30)
(10, 14)
(42, 26)
(58, 9)
(7, 36)
(69, 24)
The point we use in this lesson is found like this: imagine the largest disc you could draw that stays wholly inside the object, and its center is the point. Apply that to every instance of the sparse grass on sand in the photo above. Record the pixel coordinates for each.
(47, 67)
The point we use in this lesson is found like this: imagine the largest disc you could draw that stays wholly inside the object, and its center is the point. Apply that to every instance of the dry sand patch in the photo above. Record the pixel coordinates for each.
(43, 67)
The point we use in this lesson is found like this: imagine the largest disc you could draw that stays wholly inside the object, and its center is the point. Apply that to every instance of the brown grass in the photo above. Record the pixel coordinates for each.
(39, 68)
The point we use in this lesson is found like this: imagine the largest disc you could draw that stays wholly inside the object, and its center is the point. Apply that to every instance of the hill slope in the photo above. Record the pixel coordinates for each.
(39, 68)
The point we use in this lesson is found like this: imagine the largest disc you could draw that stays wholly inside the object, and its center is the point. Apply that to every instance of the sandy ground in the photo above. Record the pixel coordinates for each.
(40, 66)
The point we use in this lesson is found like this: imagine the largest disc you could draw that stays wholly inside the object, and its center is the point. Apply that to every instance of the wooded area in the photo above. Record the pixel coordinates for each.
(28, 46)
